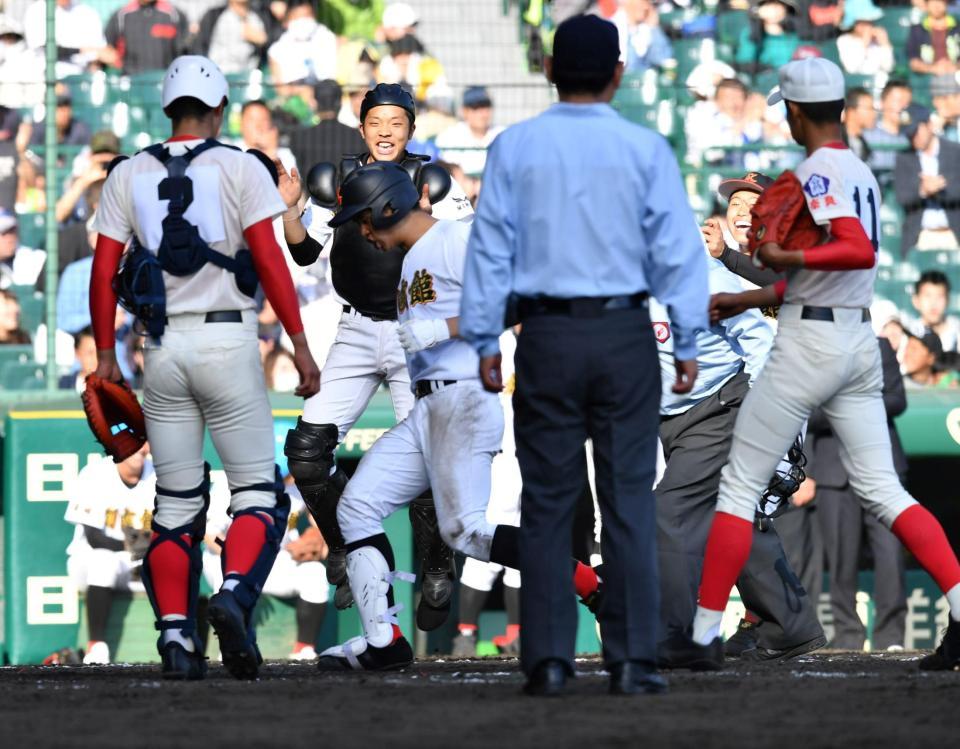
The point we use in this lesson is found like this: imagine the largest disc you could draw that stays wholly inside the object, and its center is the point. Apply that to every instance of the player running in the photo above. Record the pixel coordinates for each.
(825, 354)
(190, 207)
(366, 352)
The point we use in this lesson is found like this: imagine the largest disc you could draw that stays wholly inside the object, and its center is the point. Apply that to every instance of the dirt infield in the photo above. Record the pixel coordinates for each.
(820, 700)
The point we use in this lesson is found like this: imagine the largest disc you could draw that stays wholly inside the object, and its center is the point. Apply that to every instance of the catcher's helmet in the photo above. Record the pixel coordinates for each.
(376, 187)
(384, 94)
(195, 76)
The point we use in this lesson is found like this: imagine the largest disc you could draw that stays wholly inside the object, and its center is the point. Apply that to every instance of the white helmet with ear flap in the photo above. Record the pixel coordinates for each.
(196, 76)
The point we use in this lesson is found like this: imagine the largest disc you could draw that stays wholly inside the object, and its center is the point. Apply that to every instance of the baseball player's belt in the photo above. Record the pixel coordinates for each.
(233, 315)
(825, 314)
(423, 388)
(584, 306)
(348, 309)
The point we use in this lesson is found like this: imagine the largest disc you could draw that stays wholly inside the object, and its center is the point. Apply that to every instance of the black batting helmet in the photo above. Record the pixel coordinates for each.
(384, 94)
(377, 187)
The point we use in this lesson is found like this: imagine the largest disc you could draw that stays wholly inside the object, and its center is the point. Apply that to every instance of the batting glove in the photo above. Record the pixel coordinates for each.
(416, 335)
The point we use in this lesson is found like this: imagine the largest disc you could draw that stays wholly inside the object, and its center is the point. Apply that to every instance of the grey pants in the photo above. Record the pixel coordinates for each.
(695, 445)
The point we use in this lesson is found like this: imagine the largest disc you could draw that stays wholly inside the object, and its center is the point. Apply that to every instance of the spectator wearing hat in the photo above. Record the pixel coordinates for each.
(89, 167)
(234, 36)
(21, 68)
(70, 130)
(819, 20)
(643, 44)
(933, 46)
(923, 363)
(79, 35)
(146, 35)
(31, 184)
(329, 139)
(305, 53)
(768, 40)
(931, 299)
(466, 142)
(945, 95)
(859, 116)
(19, 265)
(409, 64)
(927, 183)
(399, 20)
(865, 47)
(886, 136)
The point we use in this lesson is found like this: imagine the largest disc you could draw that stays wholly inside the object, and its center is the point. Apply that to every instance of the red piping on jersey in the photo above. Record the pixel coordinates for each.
(274, 274)
(839, 145)
(176, 138)
(103, 299)
(849, 250)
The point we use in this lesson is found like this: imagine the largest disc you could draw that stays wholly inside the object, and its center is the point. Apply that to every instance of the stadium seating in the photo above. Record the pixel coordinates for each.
(16, 375)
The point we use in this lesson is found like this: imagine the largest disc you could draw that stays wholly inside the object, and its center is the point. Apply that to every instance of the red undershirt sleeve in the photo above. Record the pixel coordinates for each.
(103, 299)
(850, 248)
(274, 275)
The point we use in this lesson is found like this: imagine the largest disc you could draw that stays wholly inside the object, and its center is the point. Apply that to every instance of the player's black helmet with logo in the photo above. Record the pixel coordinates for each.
(392, 94)
(377, 187)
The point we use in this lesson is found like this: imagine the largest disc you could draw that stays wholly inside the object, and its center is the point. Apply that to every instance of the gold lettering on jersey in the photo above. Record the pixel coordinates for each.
(147, 519)
(128, 518)
(402, 297)
(421, 289)
(110, 520)
(292, 521)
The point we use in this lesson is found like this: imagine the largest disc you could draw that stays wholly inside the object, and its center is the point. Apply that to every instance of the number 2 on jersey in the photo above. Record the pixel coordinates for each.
(872, 202)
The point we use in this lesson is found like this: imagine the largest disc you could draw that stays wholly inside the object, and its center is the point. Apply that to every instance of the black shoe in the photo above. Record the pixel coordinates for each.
(358, 655)
(548, 679)
(240, 654)
(680, 651)
(784, 654)
(180, 665)
(635, 677)
(744, 639)
(947, 655)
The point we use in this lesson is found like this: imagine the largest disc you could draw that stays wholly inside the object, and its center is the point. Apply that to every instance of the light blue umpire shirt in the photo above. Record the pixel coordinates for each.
(579, 202)
(740, 341)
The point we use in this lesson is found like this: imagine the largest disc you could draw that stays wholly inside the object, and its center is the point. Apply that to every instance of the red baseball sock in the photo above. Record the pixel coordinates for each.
(170, 576)
(728, 547)
(585, 580)
(923, 536)
(245, 539)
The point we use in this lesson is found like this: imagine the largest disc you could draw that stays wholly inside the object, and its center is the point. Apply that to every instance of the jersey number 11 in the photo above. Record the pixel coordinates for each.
(872, 202)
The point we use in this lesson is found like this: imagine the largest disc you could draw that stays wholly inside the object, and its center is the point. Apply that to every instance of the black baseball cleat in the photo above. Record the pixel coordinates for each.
(744, 639)
(359, 655)
(548, 679)
(784, 654)
(947, 655)
(636, 677)
(181, 665)
(680, 651)
(240, 654)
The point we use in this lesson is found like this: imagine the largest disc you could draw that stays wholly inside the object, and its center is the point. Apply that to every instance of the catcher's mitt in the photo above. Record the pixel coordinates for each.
(781, 216)
(115, 417)
(310, 547)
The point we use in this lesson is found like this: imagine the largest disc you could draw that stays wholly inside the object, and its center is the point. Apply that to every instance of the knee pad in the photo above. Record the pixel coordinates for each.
(194, 532)
(250, 584)
(309, 449)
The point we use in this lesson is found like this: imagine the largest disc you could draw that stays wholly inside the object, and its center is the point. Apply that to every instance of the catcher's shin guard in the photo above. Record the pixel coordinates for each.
(309, 450)
(438, 565)
(177, 663)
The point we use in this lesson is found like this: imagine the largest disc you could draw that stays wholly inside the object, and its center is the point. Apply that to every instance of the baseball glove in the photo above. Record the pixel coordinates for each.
(781, 216)
(115, 417)
(310, 547)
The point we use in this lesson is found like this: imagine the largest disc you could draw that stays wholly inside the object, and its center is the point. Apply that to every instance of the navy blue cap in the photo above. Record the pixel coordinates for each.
(476, 96)
(912, 117)
(585, 45)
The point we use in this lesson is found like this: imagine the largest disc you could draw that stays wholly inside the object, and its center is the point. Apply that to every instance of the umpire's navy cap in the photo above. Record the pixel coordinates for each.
(585, 45)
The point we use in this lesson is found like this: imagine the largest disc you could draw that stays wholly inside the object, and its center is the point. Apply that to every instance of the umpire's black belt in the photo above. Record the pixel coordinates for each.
(583, 306)
(423, 388)
(232, 315)
(825, 314)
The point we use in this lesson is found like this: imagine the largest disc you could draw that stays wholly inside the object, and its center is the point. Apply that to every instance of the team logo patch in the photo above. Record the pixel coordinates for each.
(817, 185)
(661, 331)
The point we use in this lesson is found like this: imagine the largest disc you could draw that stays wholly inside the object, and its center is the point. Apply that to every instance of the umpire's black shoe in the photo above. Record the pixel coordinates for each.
(744, 639)
(240, 653)
(680, 651)
(181, 665)
(947, 655)
(358, 655)
(548, 679)
(636, 677)
(784, 654)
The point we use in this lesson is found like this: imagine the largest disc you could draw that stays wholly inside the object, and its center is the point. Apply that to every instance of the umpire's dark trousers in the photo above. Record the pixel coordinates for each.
(580, 377)
(696, 445)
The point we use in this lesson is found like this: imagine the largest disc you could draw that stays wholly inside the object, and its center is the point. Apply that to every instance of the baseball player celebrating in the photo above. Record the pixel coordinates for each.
(198, 218)
(366, 352)
(448, 440)
(824, 354)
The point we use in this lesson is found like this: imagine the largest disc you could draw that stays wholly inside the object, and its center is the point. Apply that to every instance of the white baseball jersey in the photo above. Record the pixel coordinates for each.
(232, 191)
(431, 283)
(100, 499)
(836, 184)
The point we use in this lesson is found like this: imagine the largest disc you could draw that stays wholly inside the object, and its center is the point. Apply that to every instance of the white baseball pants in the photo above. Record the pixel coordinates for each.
(207, 375)
(103, 568)
(448, 443)
(835, 365)
(287, 578)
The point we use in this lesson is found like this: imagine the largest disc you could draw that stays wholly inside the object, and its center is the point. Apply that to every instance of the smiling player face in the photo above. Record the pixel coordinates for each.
(738, 214)
(386, 131)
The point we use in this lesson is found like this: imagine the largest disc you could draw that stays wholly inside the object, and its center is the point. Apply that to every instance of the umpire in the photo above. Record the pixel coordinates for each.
(582, 214)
